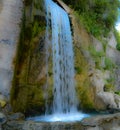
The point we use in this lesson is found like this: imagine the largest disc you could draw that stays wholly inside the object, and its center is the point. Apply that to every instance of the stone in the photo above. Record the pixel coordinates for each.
(117, 100)
(16, 116)
(10, 18)
(3, 118)
(108, 99)
(112, 40)
(97, 44)
(98, 79)
(101, 122)
(3, 100)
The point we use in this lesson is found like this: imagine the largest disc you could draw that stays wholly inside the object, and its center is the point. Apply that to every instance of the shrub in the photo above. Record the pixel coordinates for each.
(97, 16)
(117, 35)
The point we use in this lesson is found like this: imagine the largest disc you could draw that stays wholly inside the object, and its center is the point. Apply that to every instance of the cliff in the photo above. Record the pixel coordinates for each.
(96, 61)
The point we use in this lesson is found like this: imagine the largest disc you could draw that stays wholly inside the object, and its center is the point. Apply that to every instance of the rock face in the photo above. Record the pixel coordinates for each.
(101, 58)
(106, 122)
(30, 70)
(10, 17)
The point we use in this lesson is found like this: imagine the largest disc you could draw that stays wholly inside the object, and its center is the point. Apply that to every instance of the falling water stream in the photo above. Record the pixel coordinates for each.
(64, 101)
(63, 63)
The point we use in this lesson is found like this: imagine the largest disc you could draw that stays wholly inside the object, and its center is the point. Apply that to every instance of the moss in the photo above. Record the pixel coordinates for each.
(28, 97)
(109, 65)
(108, 87)
(28, 2)
(84, 88)
(96, 55)
(27, 91)
(117, 92)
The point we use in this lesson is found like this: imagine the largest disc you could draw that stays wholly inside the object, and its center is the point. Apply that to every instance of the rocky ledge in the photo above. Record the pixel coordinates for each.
(101, 122)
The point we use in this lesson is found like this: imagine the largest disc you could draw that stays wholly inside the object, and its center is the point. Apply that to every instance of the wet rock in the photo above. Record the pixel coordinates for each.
(102, 122)
(3, 118)
(3, 100)
(16, 116)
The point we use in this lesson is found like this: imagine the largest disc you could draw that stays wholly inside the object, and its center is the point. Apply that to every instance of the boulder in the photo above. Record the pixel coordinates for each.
(16, 116)
(3, 100)
(117, 100)
(3, 118)
(108, 99)
(98, 79)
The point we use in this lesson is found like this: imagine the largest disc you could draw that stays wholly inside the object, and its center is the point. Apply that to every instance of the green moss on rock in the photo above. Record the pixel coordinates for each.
(84, 89)
(27, 92)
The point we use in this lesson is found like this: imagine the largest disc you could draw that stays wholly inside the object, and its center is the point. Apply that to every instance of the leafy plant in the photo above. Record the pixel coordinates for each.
(96, 55)
(117, 92)
(109, 65)
(117, 35)
(97, 16)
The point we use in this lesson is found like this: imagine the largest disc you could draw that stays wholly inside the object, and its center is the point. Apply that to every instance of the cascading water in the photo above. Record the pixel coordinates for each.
(63, 62)
(59, 40)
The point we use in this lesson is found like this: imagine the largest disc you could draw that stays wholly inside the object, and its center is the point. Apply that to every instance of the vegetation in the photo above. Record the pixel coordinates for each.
(26, 92)
(117, 35)
(98, 16)
(84, 88)
(97, 55)
(117, 92)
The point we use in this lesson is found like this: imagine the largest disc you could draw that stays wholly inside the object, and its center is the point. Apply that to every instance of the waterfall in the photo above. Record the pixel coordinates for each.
(58, 27)
(59, 45)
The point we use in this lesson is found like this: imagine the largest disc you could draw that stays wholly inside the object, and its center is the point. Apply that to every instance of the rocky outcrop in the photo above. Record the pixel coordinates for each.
(29, 74)
(106, 122)
(10, 18)
(101, 58)
(92, 75)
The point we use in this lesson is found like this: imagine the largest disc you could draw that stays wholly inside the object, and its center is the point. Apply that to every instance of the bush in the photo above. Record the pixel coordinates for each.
(97, 16)
(109, 65)
(117, 35)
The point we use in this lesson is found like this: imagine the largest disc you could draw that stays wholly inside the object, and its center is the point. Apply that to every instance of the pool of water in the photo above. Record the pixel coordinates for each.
(70, 117)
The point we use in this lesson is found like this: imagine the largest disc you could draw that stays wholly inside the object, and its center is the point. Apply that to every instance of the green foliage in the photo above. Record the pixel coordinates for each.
(97, 55)
(98, 16)
(86, 95)
(109, 65)
(109, 86)
(36, 29)
(38, 4)
(78, 69)
(117, 92)
(117, 35)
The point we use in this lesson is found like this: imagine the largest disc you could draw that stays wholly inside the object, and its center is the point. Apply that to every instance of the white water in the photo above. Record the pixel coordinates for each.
(63, 62)
(70, 117)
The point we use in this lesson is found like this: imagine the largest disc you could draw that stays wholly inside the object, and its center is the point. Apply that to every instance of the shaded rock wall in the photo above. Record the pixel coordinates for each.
(29, 74)
(10, 18)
